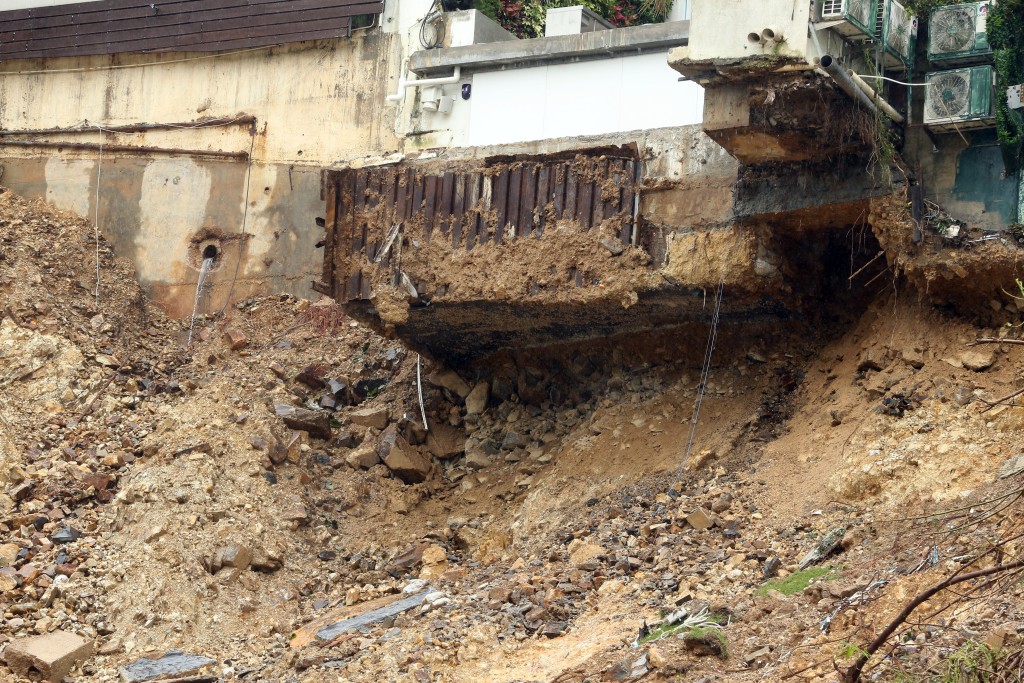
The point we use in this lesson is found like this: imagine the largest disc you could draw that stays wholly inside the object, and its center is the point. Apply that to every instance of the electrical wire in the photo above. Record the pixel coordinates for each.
(434, 21)
(893, 80)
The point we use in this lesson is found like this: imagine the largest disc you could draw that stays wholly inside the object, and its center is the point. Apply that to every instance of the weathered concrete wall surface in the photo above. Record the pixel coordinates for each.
(967, 181)
(719, 30)
(161, 212)
(315, 104)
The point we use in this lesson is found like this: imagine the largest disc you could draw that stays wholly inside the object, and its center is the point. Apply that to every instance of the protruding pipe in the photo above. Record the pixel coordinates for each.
(886, 108)
(418, 83)
(841, 78)
(772, 34)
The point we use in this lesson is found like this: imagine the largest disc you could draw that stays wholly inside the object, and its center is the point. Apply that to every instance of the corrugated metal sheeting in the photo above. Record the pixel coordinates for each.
(504, 200)
(113, 26)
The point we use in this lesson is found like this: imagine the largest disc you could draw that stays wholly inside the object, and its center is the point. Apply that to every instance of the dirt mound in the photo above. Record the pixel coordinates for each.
(234, 497)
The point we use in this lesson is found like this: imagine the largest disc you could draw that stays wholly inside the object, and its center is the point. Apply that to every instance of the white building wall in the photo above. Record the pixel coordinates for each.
(582, 98)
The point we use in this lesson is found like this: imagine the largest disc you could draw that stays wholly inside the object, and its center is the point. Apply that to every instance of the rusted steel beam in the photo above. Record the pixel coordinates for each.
(241, 120)
(128, 149)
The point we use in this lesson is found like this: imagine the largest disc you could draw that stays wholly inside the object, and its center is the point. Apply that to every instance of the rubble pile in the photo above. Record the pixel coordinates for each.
(274, 502)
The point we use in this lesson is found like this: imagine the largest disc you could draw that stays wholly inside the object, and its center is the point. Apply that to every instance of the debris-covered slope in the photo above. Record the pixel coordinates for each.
(268, 500)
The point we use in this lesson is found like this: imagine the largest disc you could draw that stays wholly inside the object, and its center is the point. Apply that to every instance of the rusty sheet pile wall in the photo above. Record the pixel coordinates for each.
(374, 214)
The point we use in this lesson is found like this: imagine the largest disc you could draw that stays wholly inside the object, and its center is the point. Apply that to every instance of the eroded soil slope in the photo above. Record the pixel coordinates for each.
(231, 497)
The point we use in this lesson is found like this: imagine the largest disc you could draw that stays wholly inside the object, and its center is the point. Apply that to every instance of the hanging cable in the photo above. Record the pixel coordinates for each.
(704, 373)
(433, 21)
(892, 80)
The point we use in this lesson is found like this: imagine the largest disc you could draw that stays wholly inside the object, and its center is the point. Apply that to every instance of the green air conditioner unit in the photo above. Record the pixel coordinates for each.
(960, 99)
(899, 36)
(957, 34)
(854, 19)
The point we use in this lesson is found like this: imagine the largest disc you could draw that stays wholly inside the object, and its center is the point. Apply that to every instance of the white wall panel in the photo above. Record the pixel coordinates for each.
(582, 98)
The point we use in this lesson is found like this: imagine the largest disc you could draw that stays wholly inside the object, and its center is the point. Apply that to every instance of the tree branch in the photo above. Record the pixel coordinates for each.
(852, 675)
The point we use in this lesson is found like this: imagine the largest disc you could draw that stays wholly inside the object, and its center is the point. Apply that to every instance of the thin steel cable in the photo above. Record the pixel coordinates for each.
(705, 372)
(419, 391)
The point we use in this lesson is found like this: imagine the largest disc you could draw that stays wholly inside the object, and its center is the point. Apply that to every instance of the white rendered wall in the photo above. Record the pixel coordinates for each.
(582, 98)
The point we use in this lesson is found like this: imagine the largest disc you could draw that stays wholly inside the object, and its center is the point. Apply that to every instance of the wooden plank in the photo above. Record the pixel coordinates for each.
(515, 190)
(352, 288)
(389, 182)
(499, 199)
(417, 194)
(375, 189)
(558, 190)
(600, 176)
(330, 240)
(628, 198)
(585, 195)
(528, 205)
(358, 207)
(364, 286)
(616, 183)
(402, 198)
(430, 191)
(483, 234)
(474, 185)
(543, 196)
(571, 191)
(444, 206)
(458, 208)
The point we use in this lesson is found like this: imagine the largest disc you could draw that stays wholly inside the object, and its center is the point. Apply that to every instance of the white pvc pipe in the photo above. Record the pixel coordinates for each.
(418, 83)
(873, 95)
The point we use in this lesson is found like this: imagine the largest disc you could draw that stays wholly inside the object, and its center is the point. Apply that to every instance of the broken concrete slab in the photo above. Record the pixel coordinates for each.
(348, 618)
(174, 663)
(53, 655)
(824, 548)
(372, 616)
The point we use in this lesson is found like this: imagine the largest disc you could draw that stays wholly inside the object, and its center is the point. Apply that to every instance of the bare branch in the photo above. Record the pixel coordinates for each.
(852, 675)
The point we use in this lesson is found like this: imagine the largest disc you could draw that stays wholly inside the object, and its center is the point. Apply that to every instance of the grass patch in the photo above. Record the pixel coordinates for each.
(707, 634)
(663, 631)
(796, 582)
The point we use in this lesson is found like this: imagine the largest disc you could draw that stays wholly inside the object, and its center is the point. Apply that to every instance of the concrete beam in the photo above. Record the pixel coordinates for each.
(552, 50)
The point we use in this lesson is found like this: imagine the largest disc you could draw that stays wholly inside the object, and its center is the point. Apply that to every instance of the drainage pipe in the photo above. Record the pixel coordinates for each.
(419, 83)
(839, 75)
(886, 108)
